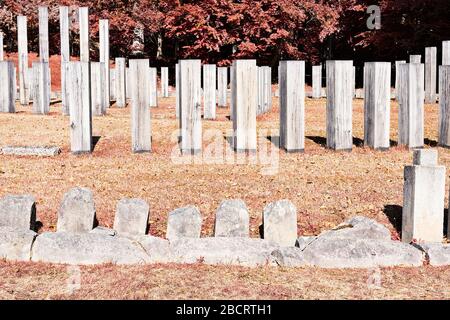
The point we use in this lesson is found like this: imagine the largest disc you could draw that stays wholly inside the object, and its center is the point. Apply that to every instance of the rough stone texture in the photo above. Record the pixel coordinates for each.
(157, 249)
(359, 227)
(411, 105)
(65, 53)
(438, 254)
(228, 251)
(77, 211)
(120, 83)
(16, 244)
(103, 231)
(177, 90)
(316, 82)
(444, 105)
(154, 87)
(377, 86)
(423, 203)
(304, 241)
(131, 216)
(18, 211)
(209, 91)
(415, 58)
(425, 157)
(244, 97)
(31, 151)
(289, 257)
(83, 20)
(22, 47)
(222, 86)
(360, 253)
(292, 105)
(184, 222)
(232, 219)
(445, 53)
(103, 29)
(86, 249)
(7, 89)
(40, 85)
(98, 87)
(430, 74)
(280, 223)
(164, 82)
(339, 104)
(397, 77)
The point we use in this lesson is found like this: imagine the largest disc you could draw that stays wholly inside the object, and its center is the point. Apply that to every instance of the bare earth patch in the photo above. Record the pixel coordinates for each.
(327, 187)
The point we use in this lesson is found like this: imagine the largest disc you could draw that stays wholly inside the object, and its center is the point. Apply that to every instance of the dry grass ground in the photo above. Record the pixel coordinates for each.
(327, 187)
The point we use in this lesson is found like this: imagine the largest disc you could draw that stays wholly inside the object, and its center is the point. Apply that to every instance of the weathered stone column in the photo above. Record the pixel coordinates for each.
(140, 106)
(397, 77)
(411, 103)
(177, 90)
(83, 17)
(39, 82)
(127, 83)
(292, 105)
(423, 199)
(120, 80)
(444, 106)
(65, 54)
(209, 91)
(79, 101)
(164, 82)
(22, 43)
(98, 97)
(7, 79)
(354, 82)
(244, 91)
(339, 104)
(222, 86)
(104, 57)
(267, 88)
(445, 53)
(430, 74)
(112, 84)
(317, 82)
(377, 99)
(1, 46)
(44, 50)
(415, 58)
(190, 106)
(260, 109)
(153, 87)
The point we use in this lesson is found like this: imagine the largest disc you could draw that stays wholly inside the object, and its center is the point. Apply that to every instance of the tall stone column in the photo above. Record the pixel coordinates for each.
(244, 91)
(445, 53)
(65, 53)
(164, 82)
(430, 74)
(104, 57)
(7, 79)
(39, 82)
(411, 105)
(222, 86)
(339, 105)
(120, 80)
(209, 91)
(44, 55)
(153, 87)
(177, 90)
(444, 106)
(79, 100)
(1, 47)
(317, 82)
(377, 100)
(140, 106)
(83, 16)
(292, 105)
(267, 88)
(397, 77)
(22, 43)
(190, 106)
(98, 97)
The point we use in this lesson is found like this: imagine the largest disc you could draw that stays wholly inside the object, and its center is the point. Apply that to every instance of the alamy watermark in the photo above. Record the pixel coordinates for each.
(374, 20)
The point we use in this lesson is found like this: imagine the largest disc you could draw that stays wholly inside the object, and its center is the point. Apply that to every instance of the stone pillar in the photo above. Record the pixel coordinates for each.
(153, 87)
(190, 106)
(377, 100)
(83, 16)
(65, 54)
(339, 105)
(22, 44)
(445, 53)
(39, 82)
(317, 82)
(104, 57)
(444, 106)
(244, 91)
(120, 79)
(112, 84)
(164, 82)
(260, 109)
(354, 82)
(1, 46)
(267, 88)
(209, 91)
(44, 50)
(98, 97)
(127, 83)
(140, 106)
(415, 58)
(79, 101)
(397, 77)
(292, 105)
(430, 74)
(222, 86)
(7, 79)
(411, 104)
(177, 90)
(423, 200)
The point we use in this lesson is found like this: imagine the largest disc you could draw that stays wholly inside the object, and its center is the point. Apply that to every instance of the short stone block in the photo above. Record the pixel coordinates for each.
(18, 211)
(77, 211)
(184, 223)
(131, 216)
(280, 223)
(425, 157)
(232, 219)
